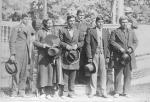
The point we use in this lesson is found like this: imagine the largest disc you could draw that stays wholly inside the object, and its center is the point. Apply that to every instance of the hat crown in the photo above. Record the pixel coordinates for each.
(128, 9)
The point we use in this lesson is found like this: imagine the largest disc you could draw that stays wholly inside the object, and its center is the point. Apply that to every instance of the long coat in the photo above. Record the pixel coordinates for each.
(20, 47)
(92, 43)
(78, 38)
(118, 41)
(46, 66)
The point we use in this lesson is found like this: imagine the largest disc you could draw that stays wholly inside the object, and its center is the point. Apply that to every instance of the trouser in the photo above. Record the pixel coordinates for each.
(69, 81)
(99, 62)
(19, 79)
(126, 71)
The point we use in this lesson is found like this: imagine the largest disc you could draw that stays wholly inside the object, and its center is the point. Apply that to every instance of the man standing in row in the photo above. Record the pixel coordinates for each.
(97, 43)
(71, 41)
(124, 43)
(19, 50)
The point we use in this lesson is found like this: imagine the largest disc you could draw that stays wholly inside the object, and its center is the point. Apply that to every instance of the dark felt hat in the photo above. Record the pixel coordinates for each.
(125, 59)
(90, 67)
(53, 51)
(11, 67)
(72, 56)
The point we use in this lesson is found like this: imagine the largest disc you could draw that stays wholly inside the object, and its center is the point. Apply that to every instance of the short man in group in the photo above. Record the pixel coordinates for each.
(20, 53)
(97, 49)
(47, 64)
(71, 42)
(124, 43)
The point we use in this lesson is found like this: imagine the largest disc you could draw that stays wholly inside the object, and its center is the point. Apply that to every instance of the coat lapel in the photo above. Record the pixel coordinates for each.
(67, 34)
(94, 33)
(120, 35)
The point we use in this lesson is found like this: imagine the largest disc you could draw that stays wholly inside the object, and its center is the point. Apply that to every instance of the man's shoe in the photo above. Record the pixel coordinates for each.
(72, 96)
(14, 94)
(64, 97)
(22, 93)
(116, 95)
(49, 97)
(105, 96)
(42, 96)
(126, 95)
(91, 95)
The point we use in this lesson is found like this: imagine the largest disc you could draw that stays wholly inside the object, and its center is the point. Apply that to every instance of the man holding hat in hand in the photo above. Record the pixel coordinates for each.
(98, 54)
(124, 43)
(71, 40)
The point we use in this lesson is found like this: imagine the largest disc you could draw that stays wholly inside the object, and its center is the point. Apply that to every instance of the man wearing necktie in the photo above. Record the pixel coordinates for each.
(98, 53)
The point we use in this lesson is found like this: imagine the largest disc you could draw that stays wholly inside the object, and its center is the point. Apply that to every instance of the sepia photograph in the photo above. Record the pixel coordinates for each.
(74, 51)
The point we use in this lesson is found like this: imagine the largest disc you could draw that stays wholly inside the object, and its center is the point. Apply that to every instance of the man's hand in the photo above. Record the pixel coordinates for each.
(46, 45)
(74, 47)
(122, 50)
(12, 58)
(90, 60)
(107, 60)
(68, 47)
(129, 50)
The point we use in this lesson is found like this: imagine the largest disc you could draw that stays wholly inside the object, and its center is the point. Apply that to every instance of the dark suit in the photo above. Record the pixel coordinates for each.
(99, 58)
(69, 70)
(123, 39)
(91, 43)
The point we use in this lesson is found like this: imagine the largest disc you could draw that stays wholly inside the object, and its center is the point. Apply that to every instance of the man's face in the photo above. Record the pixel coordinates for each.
(71, 22)
(80, 16)
(25, 20)
(99, 24)
(124, 23)
(129, 14)
(49, 23)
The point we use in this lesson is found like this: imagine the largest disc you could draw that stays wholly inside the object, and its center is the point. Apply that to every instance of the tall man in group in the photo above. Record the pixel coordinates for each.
(97, 48)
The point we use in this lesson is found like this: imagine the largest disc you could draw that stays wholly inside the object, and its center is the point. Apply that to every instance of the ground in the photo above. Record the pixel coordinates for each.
(139, 93)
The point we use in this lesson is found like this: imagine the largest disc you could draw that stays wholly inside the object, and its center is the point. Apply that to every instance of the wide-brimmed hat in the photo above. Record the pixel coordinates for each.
(53, 51)
(125, 59)
(11, 67)
(128, 10)
(90, 67)
(72, 56)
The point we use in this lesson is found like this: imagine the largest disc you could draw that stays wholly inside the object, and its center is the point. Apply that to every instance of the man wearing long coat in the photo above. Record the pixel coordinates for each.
(47, 64)
(19, 50)
(123, 40)
(97, 49)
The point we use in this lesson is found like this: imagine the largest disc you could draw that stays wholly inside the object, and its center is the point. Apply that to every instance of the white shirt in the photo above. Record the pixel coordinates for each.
(99, 36)
(71, 33)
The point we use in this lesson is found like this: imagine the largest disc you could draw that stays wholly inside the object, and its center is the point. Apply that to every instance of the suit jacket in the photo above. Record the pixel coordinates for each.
(65, 39)
(92, 43)
(118, 40)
